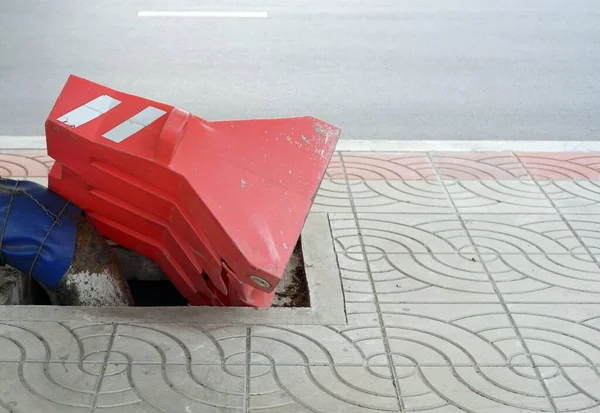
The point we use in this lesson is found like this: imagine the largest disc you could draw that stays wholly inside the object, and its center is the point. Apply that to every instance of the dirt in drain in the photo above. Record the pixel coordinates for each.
(151, 287)
(292, 291)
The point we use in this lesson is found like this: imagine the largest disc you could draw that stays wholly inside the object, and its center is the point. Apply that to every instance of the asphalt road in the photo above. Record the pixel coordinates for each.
(379, 69)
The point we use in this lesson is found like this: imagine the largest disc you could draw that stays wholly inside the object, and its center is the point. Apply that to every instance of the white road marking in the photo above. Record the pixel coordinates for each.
(8, 142)
(134, 124)
(241, 14)
(89, 111)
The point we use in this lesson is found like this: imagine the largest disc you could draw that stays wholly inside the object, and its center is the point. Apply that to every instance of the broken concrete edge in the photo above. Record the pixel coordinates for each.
(322, 274)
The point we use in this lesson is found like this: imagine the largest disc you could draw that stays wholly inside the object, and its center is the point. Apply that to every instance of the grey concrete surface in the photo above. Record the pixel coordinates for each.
(447, 309)
(379, 69)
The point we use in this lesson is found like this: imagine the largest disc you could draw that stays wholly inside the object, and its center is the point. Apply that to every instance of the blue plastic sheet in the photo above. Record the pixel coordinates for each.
(39, 230)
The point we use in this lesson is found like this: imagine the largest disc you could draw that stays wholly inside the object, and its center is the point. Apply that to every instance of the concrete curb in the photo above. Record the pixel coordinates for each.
(10, 142)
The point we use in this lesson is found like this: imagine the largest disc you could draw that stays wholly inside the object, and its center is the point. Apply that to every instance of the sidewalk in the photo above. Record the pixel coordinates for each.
(471, 284)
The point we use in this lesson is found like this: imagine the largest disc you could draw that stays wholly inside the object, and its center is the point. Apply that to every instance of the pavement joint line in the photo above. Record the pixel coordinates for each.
(207, 13)
(100, 379)
(248, 345)
(386, 343)
(27, 142)
(503, 303)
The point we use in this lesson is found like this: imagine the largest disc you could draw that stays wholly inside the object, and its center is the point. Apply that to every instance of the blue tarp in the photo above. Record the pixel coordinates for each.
(39, 230)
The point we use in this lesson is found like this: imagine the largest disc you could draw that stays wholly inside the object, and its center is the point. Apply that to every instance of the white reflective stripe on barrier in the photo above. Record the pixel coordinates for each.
(134, 124)
(89, 111)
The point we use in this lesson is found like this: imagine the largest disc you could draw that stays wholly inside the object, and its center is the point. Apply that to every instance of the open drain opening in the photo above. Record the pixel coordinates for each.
(150, 287)
(155, 294)
(318, 268)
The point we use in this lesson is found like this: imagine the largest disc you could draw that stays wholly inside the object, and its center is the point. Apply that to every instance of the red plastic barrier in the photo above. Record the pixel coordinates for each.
(219, 205)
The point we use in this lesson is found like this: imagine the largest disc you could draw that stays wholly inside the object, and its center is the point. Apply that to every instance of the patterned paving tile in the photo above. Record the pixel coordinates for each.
(521, 234)
(573, 388)
(561, 166)
(399, 233)
(356, 283)
(453, 346)
(46, 341)
(450, 334)
(55, 387)
(478, 166)
(345, 233)
(587, 227)
(359, 296)
(472, 389)
(576, 197)
(171, 388)
(315, 345)
(545, 278)
(428, 278)
(364, 331)
(321, 389)
(335, 169)
(400, 196)
(560, 334)
(24, 164)
(498, 197)
(370, 166)
(358, 307)
(178, 343)
(332, 197)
